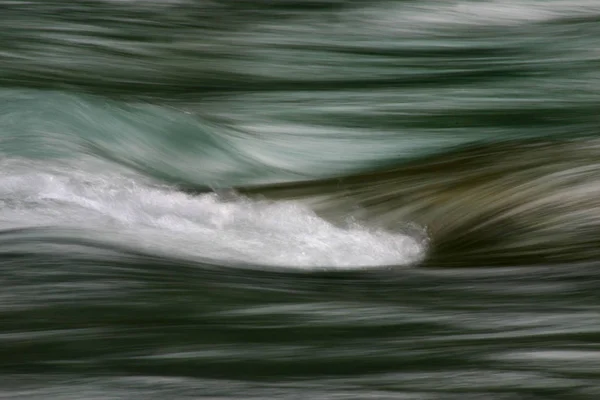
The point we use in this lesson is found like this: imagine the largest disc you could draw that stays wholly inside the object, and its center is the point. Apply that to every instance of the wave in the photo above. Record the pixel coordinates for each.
(466, 130)
(524, 202)
(69, 159)
(172, 144)
(59, 209)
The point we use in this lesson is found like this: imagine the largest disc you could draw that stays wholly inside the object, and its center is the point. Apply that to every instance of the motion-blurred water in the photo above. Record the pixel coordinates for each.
(299, 199)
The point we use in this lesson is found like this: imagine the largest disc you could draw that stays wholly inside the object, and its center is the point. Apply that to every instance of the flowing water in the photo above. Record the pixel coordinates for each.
(299, 199)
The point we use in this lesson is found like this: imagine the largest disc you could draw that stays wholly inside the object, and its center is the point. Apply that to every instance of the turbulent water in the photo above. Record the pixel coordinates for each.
(299, 199)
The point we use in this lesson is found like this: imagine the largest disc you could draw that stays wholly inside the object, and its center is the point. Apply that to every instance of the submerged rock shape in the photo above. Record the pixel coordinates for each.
(518, 203)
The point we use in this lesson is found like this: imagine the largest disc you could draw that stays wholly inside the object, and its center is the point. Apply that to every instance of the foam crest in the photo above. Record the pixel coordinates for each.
(122, 210)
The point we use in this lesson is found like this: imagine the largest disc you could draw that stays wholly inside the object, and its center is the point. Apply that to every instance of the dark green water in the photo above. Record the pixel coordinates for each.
(299, 199)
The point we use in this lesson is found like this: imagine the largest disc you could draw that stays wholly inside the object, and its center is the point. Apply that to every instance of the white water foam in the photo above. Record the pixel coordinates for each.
(401, 17)
(126, 210)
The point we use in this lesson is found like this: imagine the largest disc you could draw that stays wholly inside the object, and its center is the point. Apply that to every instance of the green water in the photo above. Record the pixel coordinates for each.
(299, 199)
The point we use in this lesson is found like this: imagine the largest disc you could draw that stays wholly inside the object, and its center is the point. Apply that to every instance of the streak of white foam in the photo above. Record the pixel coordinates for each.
(557, 360)
(127, 211)
(478, 13)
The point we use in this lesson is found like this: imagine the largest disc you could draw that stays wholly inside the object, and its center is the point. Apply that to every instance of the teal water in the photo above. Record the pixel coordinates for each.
(299, 199)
